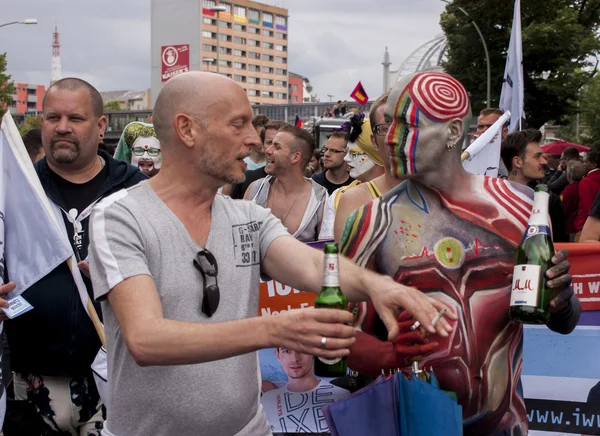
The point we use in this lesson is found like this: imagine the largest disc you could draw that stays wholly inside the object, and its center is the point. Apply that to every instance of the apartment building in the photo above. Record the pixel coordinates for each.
(28, 99)
(248, 42)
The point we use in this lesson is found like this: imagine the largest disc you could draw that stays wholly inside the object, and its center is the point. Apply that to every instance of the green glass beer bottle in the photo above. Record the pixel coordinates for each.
(331, 297)
(530, 296)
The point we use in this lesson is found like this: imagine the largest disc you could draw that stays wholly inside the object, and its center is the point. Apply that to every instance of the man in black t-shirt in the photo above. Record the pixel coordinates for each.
(335, 174)
(53, 346)
(591, 229)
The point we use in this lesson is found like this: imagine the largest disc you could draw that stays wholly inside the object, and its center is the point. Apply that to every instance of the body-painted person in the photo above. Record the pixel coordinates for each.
(140, 146)
(453, 235)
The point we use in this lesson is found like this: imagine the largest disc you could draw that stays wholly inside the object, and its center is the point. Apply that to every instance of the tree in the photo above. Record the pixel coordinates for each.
(112, 105)
(560, 49)
(7, 87)
(31, 123)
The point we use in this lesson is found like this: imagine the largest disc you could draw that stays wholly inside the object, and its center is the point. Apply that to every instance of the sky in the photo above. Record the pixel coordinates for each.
(334, 43)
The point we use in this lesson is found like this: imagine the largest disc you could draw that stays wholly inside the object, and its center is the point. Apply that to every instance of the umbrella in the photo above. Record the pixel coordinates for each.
(396, 406)
(557, 147)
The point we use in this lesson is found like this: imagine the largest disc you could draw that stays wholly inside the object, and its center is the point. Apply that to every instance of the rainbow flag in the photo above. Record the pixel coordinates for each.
(360, 95)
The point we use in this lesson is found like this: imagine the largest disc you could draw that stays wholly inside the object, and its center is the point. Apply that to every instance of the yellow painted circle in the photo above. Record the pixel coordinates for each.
(450, 253)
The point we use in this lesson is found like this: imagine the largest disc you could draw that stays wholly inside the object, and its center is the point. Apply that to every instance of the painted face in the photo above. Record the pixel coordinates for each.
(145, 154)
(358, 162)
(419, 110)
(296, 365)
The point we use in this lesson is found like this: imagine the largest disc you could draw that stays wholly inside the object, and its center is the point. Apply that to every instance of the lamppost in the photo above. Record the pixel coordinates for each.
(25, 21)
(330, 97)
(218, 9)
(485, 49)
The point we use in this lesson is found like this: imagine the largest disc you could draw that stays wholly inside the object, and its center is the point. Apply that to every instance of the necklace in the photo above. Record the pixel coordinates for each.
(291, 207)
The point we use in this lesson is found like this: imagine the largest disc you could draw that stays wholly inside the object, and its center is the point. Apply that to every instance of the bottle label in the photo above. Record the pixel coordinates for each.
(539, 212)
(330, 361)
(331, 270)
(525, 285)
(533, 230)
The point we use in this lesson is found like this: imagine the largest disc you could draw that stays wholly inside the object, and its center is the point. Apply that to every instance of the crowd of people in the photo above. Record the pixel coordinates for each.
(174, 232)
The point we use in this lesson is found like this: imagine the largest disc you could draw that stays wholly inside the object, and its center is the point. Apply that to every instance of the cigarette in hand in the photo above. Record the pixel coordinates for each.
(437, 318)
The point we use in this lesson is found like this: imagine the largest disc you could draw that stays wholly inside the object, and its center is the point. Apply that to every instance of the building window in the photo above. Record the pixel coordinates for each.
(239, 40)
(209, 21)
(253, 80)
(267, 19)
(223, 37)
(227, 7)
(281, 83)
(267, 33)
(295, 87)
(253, 43)
(210, 4)
(239, 53)
(280, 60)
(281, 21)
(280, 35)
(253, 67)
(239, 78)
(267, 94)
(281, 95)
(253, 30)
(207, 34)
(267, 70)
(294, 99)
(267, 58)
(239, 27)
(267, 82)
(224, 24)
(239, 11)
(252, 92)
(267, 45)
(224, 63)
(253, 55)
(224, 50)
(206, 47)
(254, 16)
(239, 65)
(280, 71)
(279, 47)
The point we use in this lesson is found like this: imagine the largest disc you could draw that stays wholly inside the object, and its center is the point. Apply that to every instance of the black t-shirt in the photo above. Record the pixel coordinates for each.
(239, 189)
(80, 195)
(322, 180)
(595, 212)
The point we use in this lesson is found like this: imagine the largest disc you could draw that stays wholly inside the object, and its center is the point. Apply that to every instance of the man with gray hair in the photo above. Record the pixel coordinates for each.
(177, 269)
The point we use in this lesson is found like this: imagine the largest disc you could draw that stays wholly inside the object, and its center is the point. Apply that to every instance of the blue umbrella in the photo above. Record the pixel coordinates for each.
(367, 412)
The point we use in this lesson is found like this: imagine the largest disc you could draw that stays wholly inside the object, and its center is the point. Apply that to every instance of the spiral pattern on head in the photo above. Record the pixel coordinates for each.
(439, 96)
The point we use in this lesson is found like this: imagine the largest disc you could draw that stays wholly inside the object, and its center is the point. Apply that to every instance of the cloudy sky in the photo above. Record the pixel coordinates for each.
(335, 43)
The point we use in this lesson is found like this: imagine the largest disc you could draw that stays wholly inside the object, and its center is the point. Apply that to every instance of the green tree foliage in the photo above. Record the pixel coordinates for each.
(7, 87)
(560, 45)
(112, 105)
(31, 123)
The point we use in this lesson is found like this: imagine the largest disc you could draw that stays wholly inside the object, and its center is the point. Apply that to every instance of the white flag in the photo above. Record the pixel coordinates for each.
(483, 155)
(512, 95)
(31, 244)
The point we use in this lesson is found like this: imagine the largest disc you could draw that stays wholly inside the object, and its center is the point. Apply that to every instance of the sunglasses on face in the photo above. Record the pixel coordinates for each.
(206, 263)
(381, 129)
(138, 151)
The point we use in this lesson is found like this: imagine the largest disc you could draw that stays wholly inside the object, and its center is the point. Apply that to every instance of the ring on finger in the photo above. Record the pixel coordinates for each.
(323, 342)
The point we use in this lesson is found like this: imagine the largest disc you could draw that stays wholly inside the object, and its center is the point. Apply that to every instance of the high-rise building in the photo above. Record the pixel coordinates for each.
(56, 68)
(27, 99)
(250, 45)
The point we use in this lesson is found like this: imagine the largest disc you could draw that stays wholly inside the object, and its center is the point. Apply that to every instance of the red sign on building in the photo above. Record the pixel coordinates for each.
(175, 60)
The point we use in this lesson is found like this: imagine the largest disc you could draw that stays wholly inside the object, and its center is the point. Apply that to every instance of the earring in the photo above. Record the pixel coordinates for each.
(450, 146)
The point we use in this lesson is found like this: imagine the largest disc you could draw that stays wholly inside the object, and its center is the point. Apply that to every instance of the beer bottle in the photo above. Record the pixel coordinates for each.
(331, 297)
(530, 296)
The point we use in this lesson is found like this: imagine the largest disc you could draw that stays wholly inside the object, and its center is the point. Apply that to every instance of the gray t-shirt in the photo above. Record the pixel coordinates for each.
(132, 233)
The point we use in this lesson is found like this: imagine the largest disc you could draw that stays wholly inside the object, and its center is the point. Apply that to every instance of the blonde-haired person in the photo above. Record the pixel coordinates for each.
(364, 165)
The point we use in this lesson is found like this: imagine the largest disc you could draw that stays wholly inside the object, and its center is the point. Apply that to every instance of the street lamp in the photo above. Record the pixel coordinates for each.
(218, 9)
(485, 49)
(330, 97)
(25, 21)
